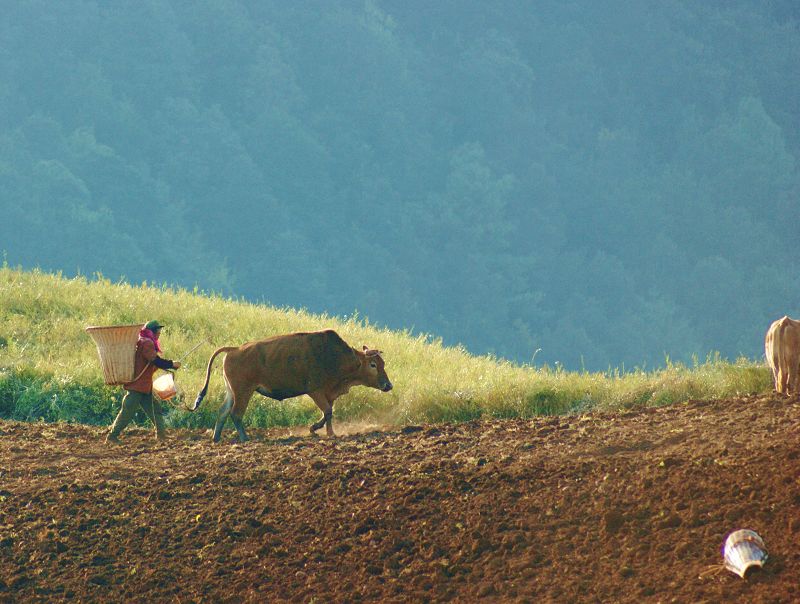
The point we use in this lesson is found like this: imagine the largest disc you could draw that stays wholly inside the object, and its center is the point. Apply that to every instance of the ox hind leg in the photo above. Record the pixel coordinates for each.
(793, 377)
(326, 407)
(234, 407)
(776, 377)
(237, 414)
(782, 381)
(774, 364)
(224, 412)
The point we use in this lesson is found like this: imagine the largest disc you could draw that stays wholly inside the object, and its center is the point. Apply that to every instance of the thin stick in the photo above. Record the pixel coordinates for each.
(198, 345)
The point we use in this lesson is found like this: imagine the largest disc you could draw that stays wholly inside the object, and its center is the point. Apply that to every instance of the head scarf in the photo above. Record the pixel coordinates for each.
(146, 334)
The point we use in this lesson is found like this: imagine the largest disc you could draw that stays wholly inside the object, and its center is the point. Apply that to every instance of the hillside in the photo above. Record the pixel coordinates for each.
(629, 507)
(49, 366)
(595, 184)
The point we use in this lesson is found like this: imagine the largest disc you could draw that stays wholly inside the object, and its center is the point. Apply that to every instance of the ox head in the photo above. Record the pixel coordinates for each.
(373, 370)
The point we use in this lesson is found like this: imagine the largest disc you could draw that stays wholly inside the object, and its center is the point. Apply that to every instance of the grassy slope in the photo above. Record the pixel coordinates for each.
(49, 368)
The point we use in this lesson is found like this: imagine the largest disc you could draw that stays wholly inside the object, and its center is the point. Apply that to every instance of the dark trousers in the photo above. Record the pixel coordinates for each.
(148, 403)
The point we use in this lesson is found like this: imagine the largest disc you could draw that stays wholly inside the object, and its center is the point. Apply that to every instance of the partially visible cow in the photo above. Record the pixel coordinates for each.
(782, 349)
(320, 364)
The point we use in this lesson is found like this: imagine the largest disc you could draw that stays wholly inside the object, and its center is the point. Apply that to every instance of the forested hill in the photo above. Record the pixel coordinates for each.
(609, 182)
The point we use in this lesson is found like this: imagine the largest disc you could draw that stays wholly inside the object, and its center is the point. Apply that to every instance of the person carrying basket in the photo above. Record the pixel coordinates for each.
(140, 390)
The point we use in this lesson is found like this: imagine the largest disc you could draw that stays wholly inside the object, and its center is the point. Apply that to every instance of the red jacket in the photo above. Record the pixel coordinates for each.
(145, 355)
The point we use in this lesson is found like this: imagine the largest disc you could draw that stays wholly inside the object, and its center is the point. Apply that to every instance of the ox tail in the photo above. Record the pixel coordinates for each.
(203, 392)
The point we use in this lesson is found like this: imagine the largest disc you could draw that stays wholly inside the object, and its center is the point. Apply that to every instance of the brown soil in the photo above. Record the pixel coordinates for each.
(609, 508)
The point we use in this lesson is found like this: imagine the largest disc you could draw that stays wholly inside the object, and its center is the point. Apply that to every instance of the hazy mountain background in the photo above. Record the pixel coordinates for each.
(609, 182)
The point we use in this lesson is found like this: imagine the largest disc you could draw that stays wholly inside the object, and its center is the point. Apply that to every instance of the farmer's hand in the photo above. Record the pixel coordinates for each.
(176, 364)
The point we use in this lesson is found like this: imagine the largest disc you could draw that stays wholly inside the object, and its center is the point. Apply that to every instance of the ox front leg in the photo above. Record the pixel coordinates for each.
(327, 413)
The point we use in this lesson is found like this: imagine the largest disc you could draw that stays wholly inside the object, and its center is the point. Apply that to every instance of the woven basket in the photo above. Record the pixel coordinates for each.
(116, 346)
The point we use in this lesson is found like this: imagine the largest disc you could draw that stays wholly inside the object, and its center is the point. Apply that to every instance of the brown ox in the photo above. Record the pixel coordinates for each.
(782, 349)
(319, 364)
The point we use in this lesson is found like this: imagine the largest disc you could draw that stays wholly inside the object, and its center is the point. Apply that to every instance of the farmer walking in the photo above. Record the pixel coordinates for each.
(140, 390)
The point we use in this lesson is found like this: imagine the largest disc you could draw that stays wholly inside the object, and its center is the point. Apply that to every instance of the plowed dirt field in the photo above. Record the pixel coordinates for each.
(589, 508)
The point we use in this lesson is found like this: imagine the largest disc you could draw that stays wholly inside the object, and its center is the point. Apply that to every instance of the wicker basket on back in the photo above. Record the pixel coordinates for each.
(116, 346)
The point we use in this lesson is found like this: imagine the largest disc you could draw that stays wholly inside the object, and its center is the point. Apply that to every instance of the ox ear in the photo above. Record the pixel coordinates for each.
(372, 353)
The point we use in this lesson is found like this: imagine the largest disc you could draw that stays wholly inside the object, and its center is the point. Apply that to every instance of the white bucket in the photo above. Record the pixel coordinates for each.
(744, 550)
(164, 387)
